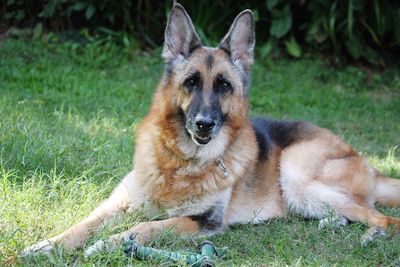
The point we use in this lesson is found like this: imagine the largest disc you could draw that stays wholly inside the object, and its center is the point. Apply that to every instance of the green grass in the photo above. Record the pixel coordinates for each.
(67, 124)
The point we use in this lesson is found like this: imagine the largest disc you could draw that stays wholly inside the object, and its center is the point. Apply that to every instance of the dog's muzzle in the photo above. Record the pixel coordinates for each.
(202, 129)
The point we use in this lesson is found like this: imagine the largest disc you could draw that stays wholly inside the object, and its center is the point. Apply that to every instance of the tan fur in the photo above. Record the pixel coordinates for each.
(310, 171)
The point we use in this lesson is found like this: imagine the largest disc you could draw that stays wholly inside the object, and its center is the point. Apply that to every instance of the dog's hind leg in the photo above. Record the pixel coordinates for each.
(75, 237)
(387, 190)
(377, 221)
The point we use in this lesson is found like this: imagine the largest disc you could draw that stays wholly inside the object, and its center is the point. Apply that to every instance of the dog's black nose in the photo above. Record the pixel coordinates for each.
(205, 125)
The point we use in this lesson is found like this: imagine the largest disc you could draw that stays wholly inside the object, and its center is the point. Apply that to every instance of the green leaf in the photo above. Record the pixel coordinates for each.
(267, 48)
(111, 18)
(293, 48)
(37, 31)
(350, 19)
(371, 55)
(355, 47)
(316, 33)
(20, 15)
(271, 4)
(281, 22)
(125, 41)
(256, 15)
(9, 15)
(89, 12)
(79, 6)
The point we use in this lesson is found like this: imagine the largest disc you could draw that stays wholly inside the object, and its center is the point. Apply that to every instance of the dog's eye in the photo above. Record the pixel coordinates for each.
(192, 81)
(223, 85)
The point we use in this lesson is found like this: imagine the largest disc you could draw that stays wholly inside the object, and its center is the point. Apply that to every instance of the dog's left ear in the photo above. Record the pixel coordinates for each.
(180, 36)
(239, 41)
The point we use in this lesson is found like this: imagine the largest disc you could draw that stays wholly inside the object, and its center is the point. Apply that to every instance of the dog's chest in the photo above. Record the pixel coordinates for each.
(192, 205)
(186, 190)
(170, 185)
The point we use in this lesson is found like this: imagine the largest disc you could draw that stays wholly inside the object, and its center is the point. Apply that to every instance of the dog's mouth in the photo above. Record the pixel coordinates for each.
(198, 137)
(201, 139)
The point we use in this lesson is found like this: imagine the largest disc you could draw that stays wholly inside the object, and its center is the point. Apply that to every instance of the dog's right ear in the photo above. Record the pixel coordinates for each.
(180, 37)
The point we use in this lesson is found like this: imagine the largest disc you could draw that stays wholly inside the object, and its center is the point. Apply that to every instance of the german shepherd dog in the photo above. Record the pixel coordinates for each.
(203, 162)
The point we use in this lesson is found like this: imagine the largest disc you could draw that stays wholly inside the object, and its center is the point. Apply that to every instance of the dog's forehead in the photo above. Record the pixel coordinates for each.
(209, 59)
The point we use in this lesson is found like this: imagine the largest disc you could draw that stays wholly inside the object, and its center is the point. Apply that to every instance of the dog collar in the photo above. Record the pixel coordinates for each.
(220, 164)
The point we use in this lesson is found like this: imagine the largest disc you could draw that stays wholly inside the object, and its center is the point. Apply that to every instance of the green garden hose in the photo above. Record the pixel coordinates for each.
(205, 258)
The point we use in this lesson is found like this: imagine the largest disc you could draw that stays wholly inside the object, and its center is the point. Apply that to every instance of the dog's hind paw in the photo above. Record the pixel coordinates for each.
(44, 247)
(372, 234)
(333, 221)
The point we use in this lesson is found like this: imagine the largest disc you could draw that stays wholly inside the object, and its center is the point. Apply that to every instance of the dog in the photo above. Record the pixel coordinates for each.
(202, 161)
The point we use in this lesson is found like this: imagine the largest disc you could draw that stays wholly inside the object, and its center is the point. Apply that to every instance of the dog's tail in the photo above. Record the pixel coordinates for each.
(388, 190)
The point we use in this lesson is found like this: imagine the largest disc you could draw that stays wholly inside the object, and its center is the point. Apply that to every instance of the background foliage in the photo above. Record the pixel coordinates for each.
(355, 30)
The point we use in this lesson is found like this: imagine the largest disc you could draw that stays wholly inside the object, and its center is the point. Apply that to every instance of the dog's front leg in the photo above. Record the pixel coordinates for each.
(146, 231)
(126, 197)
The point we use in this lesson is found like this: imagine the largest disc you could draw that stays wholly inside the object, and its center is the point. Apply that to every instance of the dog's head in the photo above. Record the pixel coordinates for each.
(208, 86)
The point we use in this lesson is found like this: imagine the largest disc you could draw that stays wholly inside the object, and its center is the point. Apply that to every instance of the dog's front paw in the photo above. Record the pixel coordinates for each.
(43, 247)
(99, 246)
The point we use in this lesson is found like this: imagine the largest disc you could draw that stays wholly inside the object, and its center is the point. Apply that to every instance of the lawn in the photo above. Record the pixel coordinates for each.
(67, 124)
